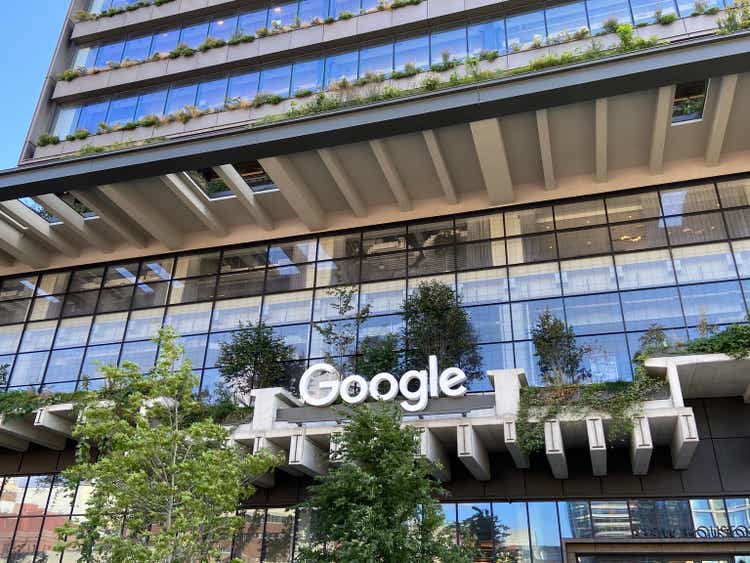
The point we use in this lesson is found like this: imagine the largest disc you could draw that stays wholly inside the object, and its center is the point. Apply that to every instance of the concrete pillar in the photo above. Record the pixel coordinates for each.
(431, 449)
(597, 445)
(684, 440)
(472, 452)
(555, 449)
(511, 442)
(641, 445)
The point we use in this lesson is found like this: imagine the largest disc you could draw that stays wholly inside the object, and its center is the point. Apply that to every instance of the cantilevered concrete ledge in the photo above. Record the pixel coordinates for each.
(49, 427)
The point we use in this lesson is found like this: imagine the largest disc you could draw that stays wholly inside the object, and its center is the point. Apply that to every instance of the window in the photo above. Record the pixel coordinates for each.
(282, 15)
(580, 214)
(606, 14)
(645, 11)
(249, 23)
(526, 221)
(638, 236)
(646, 307)
(276, 81)
(310, 10)
(92, 115)
(121, 111)
(491, 322)
(693, 8)
(715, 302)
(691, 229)
(194, 35)
(477, 527)
(376, 60)
(340, 67)
(447, 46)
(85, 57)
(340, 6)
(414, 51)
(689, 99)
(243, 87)
(525, 31)
(591, 314)
(533, 281)
(486, 38)
(307, 76)
(107, 54)
(164, 41)
(689, 199)
(212, 94)
(735, 193)
(255, 177)
(610, 519)
(65, 121)
(709, 262)
(179, 97)
(633, 207)
(588, 275)
(223, 28)
(545, 537)
(151, 104)
(137, 49)
(567, 22)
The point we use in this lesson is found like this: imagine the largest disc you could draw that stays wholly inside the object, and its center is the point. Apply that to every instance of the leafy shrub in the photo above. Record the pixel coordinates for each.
(262, 99)
(181, 50)
(410, 69)
(665, 19)
(149, 121)
(81, 134)
(211, 43)
(345, 15)
(303, 93)
(262, 32)
(610, 25)
(46, 139)
(430, 83)
(488, 55)
(70, 74)
(401, 3)
(240, 37)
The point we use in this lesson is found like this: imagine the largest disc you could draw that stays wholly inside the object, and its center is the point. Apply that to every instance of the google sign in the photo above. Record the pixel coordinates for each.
(416, 386)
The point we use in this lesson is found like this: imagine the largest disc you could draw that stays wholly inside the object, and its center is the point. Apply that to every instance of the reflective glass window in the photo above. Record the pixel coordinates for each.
(644, 269)
(738, 222)
(137, 48)
(243, 87)
(43, 308)
(436, 233)
(511, 529)
(150, 294)
(340, 246)
(734, 193)
(164, 41)
(633, 207)
(526, 221)
(279, 533)
(583, 242)
(536, 280)
(16, 288)
(73, 332)
(65, 121)
(121, 110)
(449, 45)
(212, 94)
(527, 313)
(82, 303)
(479, 227)
(610, 519)
(383, 297)
(197, 264)
(485, 286)
(308, 75)
(179, 97)
(97, 356)
(339, 6)
(652, 306)
(738, 510)
(710, 513)
(108, 328)
(291, 277)
(564, 21)
(10, 336)
(276, 81)
(603, 11)
(691, 229)
(241, 284)
(189, 319)
(55, 282)
(742, 256)
(64, 365)
(575, 519)
(249, 23)
(580, 214)
(689, 200)
(249, 541)
(114, 299)
(639, 235)
(414, 51)
(194, 35)
(491, 322)
(487, 37)
(38, 336)
(525, 30)
(281, 15)
(310, 10)
(151, 104)
(703, 263)
(121, 274)
(588, 275)
(28, 368)
(287, 307)
(375, 60)
(661, 518)
(156, 269)
(714, 302)
(384, 240)
(590, 314)
(337, 272)
(531, 249)
(384, 266)
(144, 324)
(223, 28)
(92, 115)
(380, 326)
(431, 261)
(477, 527)
(14, 311)
(110, 53)
(84, 57)
(230, 313)
(644, 11)
(545, 534)
(608, 358)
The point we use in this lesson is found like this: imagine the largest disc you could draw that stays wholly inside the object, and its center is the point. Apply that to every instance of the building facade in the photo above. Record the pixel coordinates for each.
(201, 163)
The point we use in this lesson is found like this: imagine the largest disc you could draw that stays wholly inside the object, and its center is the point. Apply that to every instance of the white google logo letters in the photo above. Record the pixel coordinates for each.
(416, 386)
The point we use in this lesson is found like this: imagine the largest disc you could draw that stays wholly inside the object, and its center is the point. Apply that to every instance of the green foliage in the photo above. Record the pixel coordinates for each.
(435, 324)
(261, 99)
(81, 134)
(396, 4)
(379, 354)
(321, 102)
(736, 18)
(430, 83)
(154, 455)
(339, 336)
(665, 19)
(688, 106)
(733, 341)
(379, 504)
(370, 78)
(70, 74)
(181, 50)
(558, 355)
(211, 43)
(303, 93)
(488, 55)
(329, 19)
(345, 15)
(410, 69)
(255, 357)
(610, 25)
(240, 37)
(46, 139)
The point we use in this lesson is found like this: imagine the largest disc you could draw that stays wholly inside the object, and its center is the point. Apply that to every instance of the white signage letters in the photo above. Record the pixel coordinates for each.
(416, 386)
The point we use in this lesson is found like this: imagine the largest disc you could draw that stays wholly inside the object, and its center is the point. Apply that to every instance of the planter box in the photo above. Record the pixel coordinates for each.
(522, 58)
(374, 21)
(339, 29)
(674, 29)
(183, 64)
(270, 109)
(275, 43)
(123, 75)
(409, 14)
(437, 8)
(574, 47)
(212, 57)
(243, 51)
(701, 23)
(307, 36)
(106, 139)
(73, 146)
(189, 5)
(153, 69)
(140, 15)
(471, 4)
(202, 122)
(701, 376)
(81, 29)
(81, 84)
(232, 117)
(139, 133)
(49, 151)
(114, 22)
(169, 129)
(607, 40)
(500, 63)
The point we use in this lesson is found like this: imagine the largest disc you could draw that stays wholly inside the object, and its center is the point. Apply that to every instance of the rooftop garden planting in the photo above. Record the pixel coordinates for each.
(83, 15)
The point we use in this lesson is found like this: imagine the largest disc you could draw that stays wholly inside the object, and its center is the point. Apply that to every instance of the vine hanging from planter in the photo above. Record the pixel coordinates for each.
(560, 361)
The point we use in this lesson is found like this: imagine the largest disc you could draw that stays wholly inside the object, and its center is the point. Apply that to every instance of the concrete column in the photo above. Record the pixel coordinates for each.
(472, 452)
(508, 383)
(555, 449)
(684, 440)
(511, 442)
(675, 389)
(431, 449)
(641, 445)
(306, 456)
(597, 445)
(267, 402)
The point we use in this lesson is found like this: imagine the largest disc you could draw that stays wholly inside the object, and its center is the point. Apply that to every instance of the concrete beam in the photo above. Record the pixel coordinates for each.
(555, 449)
(472, 452)
(493, 160)
(684, 440)
(597, 445)
(25, 430)
(723, 107)
(13, 443)
(142, 212)
(601, 136)
(431, 449)
(507, 383)
(261, 444)
(343, 181)
(73, 219)
(306, 457)
(545, 148)
(295, 190)
(57, 419)
(21, 247)
(113, 217)
(197, 205)
(39, 226)
(662, 122)
(392, 177)
(675, 387)
(511, 442)
(641, 445)
(245, 195)
(441, 168)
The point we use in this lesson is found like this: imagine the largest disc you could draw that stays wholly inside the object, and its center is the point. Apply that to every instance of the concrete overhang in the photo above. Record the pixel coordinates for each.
(694, 59)
(704, 376)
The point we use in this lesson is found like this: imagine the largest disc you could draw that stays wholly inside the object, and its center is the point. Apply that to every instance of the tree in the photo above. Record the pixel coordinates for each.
(339, 336)
(255, 357)
(378, 505)
(435, 324)
(378, 354)
(159, 465)
(558, 355)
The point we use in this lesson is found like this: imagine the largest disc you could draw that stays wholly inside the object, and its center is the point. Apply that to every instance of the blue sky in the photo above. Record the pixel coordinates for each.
(30, 29)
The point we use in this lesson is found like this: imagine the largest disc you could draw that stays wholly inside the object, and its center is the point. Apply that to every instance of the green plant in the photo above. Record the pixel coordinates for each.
(321, 102)
(488, 55)
(329, 19)
(378, 503)
(181, 50)
(81, 134)
(410, 69)
(255, 357)
(712, 10)
(89, 148)
(733, 341)
(369, 78)
(261, 99)
(70, 74)
(149, 121)
(430, 83)
(46, 139)
(396, 4)
(345, 15)
(379, 354)
(559, 357)
(581, 33)
(154, 453)
(240, 37)
(699, 7)
(664, 19)
(303, 93)
(211, 43)
(435, 324)
(339, 336)
(736, 18)
(610, 25)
